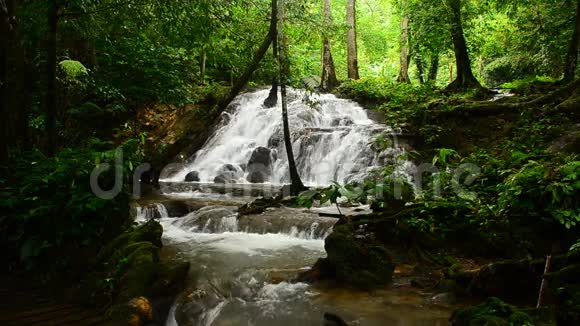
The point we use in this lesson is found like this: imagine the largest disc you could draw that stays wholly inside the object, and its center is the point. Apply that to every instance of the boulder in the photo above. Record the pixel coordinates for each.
(260, 165)
(192, 176)
(333, 320)
(226, 177)
(145, 287)
(446, 298)
(356, 258)
(491, 312)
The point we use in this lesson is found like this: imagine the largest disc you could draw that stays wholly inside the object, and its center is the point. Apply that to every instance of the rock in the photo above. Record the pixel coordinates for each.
(341, 122)
(491, 312)
(355, 257)
(226, 177)
(507, 280)
(569, 143)
(192, 176)
(260, 165)
(145, 286)
(258, 206)
(209, 217)
(568, 305)
(446, 298)
(230, 168)
(321, 270)
(333, 320)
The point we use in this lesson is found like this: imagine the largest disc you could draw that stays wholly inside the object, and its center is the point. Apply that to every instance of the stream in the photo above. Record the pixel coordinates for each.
(242, 268)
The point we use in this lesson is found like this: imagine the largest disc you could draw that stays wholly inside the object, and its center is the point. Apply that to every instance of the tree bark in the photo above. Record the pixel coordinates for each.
(352, 51)
(572, 57)
(243, 80)
(328, 80)
(272, 99)
(51, 96)
(296, 185)
(433, 68)
(420, 68)
(404, 44)
(465, 78)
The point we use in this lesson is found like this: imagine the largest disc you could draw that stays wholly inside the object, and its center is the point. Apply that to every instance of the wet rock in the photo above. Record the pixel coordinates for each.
(446, 298)
(260, 165)
(342, 122)
(569, 143)
(333, 320)
(276, 140)
(208, 217)
(192, 176)
(568, 304)
(226, 177)
(258, 206)
(355, 257)
(230, 168)
(491, 312)
(146, 286)
(177, 208)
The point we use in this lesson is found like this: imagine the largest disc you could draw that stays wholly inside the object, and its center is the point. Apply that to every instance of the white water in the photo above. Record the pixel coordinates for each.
(242, 269)
(331, 139)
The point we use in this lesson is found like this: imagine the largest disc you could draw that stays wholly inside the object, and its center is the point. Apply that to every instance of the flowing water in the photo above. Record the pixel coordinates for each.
(331, 139)
(242, 268)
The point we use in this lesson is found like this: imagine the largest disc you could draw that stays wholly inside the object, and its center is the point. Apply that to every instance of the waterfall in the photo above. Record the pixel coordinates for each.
(153, 211)
(331, 140)
(286, 221)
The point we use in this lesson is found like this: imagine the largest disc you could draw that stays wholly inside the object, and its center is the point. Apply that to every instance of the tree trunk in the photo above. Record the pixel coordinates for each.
(433, 69)
(328, 80)
(420, 68)
(51, 99)
(243, 80)
(202, 61)
(351, 40)
(296, 185)
(272, 99)
(572, 57)
(465, 78)
(404, 43)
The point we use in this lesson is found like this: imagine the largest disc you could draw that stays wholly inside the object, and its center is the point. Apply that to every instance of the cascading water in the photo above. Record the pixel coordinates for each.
(331, 141)
(242, 267)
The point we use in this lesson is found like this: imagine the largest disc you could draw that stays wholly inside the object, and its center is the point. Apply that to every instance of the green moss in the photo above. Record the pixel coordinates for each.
(568, 304)
(358, 259)
(491, 312)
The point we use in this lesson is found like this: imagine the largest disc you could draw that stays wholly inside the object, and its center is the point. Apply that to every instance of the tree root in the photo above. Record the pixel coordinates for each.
(566, 98)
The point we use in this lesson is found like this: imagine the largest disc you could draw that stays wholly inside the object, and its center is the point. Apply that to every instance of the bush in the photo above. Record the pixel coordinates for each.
(51, 210)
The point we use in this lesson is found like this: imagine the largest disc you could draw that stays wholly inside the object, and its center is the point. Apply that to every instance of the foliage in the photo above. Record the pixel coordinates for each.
(52, 208)
(539, 189)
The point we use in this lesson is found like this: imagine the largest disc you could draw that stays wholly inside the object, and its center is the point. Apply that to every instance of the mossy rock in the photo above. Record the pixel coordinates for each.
(568, 305)
(492, 312)
(148, 232)
(357, 259)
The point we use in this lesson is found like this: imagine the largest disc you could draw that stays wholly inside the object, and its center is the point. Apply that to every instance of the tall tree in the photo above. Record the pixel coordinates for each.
(296, 185)
(258, 56)
(13, 78)
(352, 52)
(433, 68)
(572, 57)
(465, 78)
(51, 96)
(328, 80)
(404, 55)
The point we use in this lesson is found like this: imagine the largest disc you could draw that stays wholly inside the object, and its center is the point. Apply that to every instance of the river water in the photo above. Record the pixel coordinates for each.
(242, 269)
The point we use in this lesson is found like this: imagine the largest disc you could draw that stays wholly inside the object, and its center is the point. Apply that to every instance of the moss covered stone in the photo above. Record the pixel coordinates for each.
(492, 312)
(356, 258)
